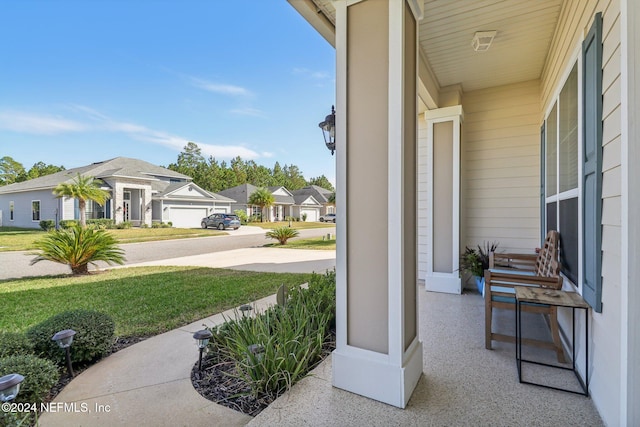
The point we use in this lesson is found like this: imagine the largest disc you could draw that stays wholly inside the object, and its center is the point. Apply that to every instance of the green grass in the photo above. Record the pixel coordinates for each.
(21, 239)
(142, 301)
(299, 225)
(312, 243)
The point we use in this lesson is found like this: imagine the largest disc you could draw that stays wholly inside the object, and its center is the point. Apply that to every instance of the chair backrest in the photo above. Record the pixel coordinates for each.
(547, 263)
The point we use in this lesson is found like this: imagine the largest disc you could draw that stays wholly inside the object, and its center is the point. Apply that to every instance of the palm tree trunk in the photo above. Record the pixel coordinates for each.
(80, 269)
(82, 205)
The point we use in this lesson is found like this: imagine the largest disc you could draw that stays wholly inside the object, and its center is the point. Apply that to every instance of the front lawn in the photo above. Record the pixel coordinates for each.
(21, 239)
(142, 301)
(298, 225)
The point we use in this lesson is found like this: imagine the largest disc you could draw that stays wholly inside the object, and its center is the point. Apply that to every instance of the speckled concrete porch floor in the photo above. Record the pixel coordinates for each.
(463, 384)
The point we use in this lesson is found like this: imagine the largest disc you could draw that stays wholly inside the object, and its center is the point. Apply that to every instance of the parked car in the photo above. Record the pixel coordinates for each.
(221, 221)
(328, 218)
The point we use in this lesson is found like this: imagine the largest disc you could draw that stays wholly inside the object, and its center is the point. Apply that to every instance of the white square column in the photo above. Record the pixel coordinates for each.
(378, 353)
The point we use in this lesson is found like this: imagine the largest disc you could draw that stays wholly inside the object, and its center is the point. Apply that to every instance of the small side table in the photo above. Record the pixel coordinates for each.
(536, 295)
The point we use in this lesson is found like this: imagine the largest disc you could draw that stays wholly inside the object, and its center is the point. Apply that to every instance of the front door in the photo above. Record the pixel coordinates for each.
(125, 205)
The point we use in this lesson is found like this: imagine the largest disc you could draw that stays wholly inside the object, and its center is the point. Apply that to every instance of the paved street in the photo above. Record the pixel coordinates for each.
(16, 264)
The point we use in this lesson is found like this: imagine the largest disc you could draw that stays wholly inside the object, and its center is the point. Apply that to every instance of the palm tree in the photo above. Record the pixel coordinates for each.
(82, 188)
(261, 197)
(77, 247)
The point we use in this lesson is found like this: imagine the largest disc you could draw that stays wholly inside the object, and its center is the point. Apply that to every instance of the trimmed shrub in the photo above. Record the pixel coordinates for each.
(39, 376)
(304, 217)
(93, 339)
(68, 223)
(14, 343)
(123, 225)
(47, 224)
(242, 215)
(102, 223)
(282, 234)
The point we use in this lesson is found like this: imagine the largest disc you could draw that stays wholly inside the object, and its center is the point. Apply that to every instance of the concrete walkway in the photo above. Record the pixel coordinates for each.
(149, 383)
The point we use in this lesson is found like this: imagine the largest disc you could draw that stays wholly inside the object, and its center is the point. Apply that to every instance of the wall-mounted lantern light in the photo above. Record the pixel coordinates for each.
(329, 130)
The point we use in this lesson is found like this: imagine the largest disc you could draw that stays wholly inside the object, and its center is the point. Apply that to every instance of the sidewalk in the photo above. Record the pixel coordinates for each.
(149, 383)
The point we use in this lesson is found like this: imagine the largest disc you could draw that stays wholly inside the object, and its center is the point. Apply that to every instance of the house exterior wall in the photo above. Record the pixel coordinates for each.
(607, 352)
(423, 198)
(22, 208)
(501, 164)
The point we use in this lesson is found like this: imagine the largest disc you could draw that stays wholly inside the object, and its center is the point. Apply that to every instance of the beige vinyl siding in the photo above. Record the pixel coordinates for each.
(501, 164)
(424, 215)
(575, 21)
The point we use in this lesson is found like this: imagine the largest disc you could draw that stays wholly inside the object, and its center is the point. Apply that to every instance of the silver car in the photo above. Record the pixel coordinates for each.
(221, 221)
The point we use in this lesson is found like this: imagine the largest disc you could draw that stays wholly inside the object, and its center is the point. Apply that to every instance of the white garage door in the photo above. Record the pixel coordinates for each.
(312, 214)
(187, 217)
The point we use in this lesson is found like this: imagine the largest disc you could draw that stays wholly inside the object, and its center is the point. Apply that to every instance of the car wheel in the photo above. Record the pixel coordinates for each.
(204, 225)
(221, 226)
(321, 219)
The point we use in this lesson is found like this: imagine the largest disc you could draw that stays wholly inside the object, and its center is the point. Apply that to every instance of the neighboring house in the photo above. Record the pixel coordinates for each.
(306, 206)
(321, 195)
(281, 208)
(140, 193)
(459, 138)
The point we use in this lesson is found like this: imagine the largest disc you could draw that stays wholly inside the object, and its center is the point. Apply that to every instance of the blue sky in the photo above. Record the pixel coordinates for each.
(83, 81)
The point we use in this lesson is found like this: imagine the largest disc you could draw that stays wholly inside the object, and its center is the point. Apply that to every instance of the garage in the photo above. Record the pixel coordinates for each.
(186, 217)
(312, 214)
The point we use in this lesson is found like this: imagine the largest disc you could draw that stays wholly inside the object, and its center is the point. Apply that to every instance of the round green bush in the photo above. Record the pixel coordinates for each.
(13, 344)
(39, 376)
(93, 339)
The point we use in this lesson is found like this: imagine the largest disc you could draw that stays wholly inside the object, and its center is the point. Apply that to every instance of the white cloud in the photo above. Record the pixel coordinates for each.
(38, 124)
(316, 75)
(225, 89)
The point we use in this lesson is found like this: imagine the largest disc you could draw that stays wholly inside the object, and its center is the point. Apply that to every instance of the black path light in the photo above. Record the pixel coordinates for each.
(10, 387)
(245, 309)
(329, 130)
(203, 338)
(64, 340)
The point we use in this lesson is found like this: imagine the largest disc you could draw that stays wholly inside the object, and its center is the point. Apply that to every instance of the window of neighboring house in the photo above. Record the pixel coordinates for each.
(331, 209)
(256, 211)
(561, 173)
(11, 206)
(35, 210)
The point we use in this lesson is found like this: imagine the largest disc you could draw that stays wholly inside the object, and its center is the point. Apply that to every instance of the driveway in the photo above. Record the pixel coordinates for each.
(16, 264)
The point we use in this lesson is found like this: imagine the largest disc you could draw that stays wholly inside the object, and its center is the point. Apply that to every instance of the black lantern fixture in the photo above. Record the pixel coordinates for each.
(329, 130)
(64, 340)
(9, 387)
(202, 337)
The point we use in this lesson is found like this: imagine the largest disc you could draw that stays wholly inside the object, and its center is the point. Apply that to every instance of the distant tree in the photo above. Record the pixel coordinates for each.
(82, 188)
(279, 178)
(259, 175)
(332, 199)
(239, 169)
(323, 182)
(10, 170)
(263, 198)
(41, 169)
(294, 178)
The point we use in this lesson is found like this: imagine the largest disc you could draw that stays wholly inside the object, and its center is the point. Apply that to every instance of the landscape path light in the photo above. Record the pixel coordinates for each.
(10, 387)
(202, 337)
(245, 309)
(64, 339)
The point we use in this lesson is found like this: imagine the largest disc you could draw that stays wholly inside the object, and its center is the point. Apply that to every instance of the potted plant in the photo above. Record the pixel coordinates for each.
(475, 261)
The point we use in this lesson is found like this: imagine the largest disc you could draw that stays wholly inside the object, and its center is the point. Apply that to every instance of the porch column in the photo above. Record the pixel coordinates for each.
(378, 354)
(146, 205)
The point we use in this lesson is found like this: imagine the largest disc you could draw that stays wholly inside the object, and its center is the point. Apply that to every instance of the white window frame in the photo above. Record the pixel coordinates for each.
(33, 211)
(576, 59)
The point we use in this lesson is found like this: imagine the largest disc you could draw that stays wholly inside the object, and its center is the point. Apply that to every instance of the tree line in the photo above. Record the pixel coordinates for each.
(12, 171)
(207, 173)
(215, 176)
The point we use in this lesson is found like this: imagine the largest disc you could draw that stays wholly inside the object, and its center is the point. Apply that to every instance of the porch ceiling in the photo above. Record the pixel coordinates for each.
(525, 29)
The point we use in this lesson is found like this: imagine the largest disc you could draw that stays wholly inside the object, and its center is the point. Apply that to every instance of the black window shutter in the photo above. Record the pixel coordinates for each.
(592, 165)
